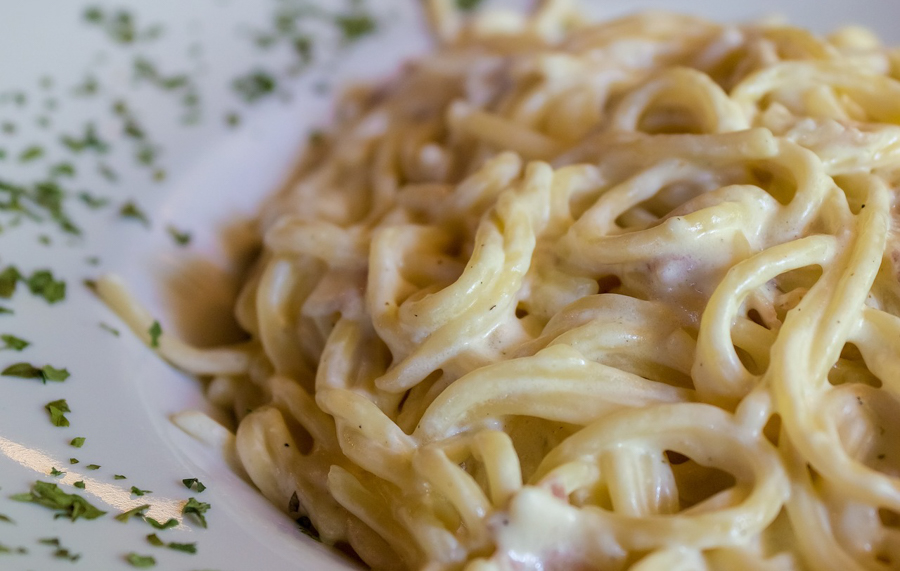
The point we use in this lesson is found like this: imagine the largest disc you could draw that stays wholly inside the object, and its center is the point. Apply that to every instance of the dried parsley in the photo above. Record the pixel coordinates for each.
(13, 343)
(197, 508)
(193, 483)
(138, 511)
(57, 410)
(49, 495)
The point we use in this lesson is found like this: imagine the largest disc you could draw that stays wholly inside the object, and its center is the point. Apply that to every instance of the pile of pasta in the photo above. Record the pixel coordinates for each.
(572, 295)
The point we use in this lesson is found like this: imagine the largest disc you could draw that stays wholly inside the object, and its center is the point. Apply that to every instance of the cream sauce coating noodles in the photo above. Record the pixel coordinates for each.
(571, 295)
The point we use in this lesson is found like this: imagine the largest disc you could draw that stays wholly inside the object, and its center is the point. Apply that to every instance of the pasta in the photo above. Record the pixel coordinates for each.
(568, 295)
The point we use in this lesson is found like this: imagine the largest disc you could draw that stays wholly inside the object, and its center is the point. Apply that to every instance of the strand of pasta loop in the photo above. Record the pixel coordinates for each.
(685, 89)
(752, 461)
(718, 372)
(800, 363)
(219, 361)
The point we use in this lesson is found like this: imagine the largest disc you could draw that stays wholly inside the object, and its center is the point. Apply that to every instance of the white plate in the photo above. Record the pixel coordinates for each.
(120, 393)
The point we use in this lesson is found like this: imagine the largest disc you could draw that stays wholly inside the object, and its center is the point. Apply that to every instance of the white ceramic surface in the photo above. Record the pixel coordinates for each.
(121, 395)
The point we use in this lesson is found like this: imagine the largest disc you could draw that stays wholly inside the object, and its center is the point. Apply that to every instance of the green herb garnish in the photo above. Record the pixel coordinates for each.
(9, 277)
(31, 153)
(171, 522)
(92, 201)
(139, 492)
(57, 410)
(73, 460)
(191, 483)
(63, 553)
(355, 26)
(89, 141)
(12, 342)
(181, 238)
(119, 477)
(49, 495)
(43, 284)
(79, 484)
(154, 540)
(131, 210)
(92, 467)
(255, 85)
(155, 331)
(467, 5)
(62, 169)
(185, 547)
(29, 371)
(197, 508)
(125, 516)
(78, 441)
(109, 328)
(55, 472)
(6, 518)
(140, 560)
(17, 550)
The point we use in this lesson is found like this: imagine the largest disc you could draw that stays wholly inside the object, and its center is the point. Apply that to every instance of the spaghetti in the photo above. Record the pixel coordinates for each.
(569, 295)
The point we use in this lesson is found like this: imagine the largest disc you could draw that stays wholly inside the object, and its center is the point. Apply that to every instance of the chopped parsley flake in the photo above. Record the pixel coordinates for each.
(6, 518)
(29, 371)
(255, 85)
(79, 484)
(119, 477)
(17, 550)
(31, 153)
(109, 328)
(191, 483)
(62, 169)
(140, 560)
(138, 511)
(89, 141)
(92, 467)
(49, 495)
(185, 547)
(5, 310)
(107, 172)
(9, 277)
(63, 553)
(57, 410)
(139, 492)
(197, 508)
(12, 342)
(133, 211)
(155, 331)
(467, 5)
(92, 201)
(55, 472)
(144, 69)
(88, 87)
(171, 522)
(120, 25)
(43, 284)
(155, 541)
(78, 441)
(181, 238)
(54, 541)
(73, 460)
(355, 26)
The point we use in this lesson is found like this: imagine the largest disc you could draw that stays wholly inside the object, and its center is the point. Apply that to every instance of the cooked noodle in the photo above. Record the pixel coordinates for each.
(568, 295)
